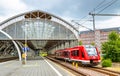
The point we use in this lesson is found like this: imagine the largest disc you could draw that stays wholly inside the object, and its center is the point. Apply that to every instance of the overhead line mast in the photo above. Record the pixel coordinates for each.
(93, 15)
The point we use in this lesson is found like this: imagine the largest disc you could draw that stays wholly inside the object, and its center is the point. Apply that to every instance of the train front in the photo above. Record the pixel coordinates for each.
(93, 55)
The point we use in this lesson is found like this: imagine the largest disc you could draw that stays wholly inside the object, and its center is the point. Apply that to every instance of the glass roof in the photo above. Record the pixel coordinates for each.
(38, 29)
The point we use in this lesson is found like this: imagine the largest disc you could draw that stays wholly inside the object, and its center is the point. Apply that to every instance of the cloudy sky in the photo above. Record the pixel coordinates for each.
(77, 10)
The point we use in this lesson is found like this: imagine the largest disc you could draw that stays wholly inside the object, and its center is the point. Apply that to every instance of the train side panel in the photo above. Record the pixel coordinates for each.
(84, 54)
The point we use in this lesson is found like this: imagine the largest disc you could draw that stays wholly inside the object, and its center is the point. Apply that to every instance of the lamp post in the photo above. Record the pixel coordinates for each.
(25, 46)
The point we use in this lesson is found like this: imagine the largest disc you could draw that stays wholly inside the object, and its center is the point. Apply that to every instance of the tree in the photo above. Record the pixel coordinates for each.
(113, 36)
(80, 42)
(93, 43)
(111, 48)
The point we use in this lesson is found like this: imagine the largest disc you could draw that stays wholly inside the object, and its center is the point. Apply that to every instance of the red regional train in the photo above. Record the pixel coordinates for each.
(84, 54)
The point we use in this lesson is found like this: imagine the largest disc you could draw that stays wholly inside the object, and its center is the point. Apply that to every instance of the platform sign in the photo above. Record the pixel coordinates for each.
(24, 55)
(25, 49)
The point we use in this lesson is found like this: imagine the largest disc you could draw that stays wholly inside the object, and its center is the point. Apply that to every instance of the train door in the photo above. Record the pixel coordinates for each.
(75, 54)
(82, 54)
(65, 54)
(69, 55)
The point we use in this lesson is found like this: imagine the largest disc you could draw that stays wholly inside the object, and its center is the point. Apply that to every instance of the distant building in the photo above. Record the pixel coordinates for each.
(87, 37)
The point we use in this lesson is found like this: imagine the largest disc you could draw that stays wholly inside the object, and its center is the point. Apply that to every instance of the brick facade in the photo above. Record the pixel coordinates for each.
(87, 37)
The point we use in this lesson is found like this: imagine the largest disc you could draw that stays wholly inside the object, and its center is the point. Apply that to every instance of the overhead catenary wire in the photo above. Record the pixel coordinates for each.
(111, 3)
(82, 26)
(99, 6)
(102, 5)
(87, 16)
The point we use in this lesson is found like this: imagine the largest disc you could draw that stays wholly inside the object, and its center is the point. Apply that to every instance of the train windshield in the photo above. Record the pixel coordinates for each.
(91, 51)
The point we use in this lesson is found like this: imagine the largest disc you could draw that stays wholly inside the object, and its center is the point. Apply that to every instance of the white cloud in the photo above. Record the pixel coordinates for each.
(45, 4)
(109, 23)
(11, 8)
(12, 4)
(2, 18)
(14, 7)
(78, 27)
(113, 22)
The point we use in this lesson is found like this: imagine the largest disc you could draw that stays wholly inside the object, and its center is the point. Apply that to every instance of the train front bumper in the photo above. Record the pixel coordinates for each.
(93, 63)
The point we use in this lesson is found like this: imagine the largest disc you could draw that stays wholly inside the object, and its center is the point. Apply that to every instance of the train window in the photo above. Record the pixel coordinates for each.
(91, 51)
(75, 53)
(66, 54)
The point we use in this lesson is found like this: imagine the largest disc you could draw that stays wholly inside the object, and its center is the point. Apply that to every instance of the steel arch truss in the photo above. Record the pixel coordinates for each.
(37, 17)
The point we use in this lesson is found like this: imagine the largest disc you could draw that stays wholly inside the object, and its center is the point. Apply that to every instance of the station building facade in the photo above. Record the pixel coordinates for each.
(88, 37)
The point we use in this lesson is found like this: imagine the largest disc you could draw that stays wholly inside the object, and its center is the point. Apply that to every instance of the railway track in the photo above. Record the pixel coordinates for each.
(105, 71)
(75, 71)
(87, 71)
(7, 59)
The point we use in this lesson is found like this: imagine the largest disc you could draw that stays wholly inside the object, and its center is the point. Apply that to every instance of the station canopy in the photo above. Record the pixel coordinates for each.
(39, 28)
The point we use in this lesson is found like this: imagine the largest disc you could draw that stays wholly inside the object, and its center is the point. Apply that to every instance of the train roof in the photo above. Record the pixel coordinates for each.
(84, 46)
(75, 48)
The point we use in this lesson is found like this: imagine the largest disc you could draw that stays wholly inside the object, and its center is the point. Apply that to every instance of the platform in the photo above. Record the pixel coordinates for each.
(40, 67)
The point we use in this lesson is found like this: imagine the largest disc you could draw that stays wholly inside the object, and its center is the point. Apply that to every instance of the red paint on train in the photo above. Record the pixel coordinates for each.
(86, 55)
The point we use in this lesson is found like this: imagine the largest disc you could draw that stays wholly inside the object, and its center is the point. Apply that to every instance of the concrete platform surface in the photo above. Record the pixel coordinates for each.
(40, 67)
